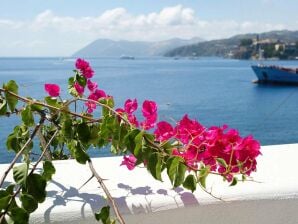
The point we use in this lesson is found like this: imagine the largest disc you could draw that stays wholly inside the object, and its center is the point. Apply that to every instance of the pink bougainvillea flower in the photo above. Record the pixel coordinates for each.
(130, 117)
(120, 112)
(133, 120)
(149, 109)
(88, 73)
(164, 131)
(149, 122)
(84, 68)
(130, 106)
(232, 136)
(92, 86)
(52, 89)
(187, 130)
(129, 162)
(95, 96)
(246, 152)
(100, 93)
(79, 88)
(91, 106)
(187, 156)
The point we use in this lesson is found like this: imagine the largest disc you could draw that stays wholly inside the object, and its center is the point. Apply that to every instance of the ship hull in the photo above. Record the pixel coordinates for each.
(274, 74)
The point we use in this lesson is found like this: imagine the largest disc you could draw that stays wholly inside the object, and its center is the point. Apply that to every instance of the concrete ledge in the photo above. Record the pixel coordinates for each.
(274, 199)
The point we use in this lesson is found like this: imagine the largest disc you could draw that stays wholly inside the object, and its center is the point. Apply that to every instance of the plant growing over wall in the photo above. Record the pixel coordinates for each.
(187, 151)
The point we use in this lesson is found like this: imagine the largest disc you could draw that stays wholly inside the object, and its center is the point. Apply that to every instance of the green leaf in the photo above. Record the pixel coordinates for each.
(190, 183)
(4, 199)
(27, 116)
(113, 149)
(83, 132)
(36, 186)
(35, 107)
(3, 107)
(51, 101)
(234, 181)
(180, 175)
(72, 91)
(67, 129)
(11, 100)
(81, 80)
(70, 87)
(48, 170)
(204, 171)
(80, 155)
(10, 188)
(12, 143)
(71, 82)
(94, 136)
(16, 140)
(109, 102)
(103, 215)
(28, 202)
(19, 216)
(10, 191)
(129, 139)
(151, 137)
(154, 166)
(20, 174)
(138, 143)
(172, 167)
(222, 162)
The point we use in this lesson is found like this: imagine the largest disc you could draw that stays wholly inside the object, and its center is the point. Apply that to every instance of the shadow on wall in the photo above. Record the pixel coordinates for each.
(136, 201)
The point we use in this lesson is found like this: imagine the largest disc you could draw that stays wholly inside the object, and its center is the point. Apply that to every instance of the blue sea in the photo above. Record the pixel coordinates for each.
(214, 91)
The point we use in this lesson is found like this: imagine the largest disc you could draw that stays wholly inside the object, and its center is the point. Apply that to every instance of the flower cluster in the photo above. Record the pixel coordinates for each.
(84, 68)
(149, 111)
(223, 150)
(84, 71)
(220, 149)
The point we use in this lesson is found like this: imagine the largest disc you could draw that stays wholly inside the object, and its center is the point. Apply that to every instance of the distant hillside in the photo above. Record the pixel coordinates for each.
(223, 46)
(110, 48)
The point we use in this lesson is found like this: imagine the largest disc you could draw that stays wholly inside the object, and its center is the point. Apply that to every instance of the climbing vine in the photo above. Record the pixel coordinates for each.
(67, 128)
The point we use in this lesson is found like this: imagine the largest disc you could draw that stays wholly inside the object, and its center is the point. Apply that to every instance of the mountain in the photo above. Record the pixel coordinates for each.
(111, 48)
(222, 47)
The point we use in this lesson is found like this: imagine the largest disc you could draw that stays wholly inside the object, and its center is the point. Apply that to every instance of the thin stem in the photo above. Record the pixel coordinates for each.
(109, 108)
(43, 144)
(108, 194)
(33, 102)
(157, 147)
(45, 149)
(75, 107)
(37, 127)
(210, 193)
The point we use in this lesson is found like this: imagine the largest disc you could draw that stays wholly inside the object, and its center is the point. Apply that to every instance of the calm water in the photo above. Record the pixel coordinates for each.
(214, 91)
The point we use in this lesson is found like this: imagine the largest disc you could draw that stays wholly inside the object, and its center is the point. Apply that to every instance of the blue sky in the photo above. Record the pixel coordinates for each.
(60, 27)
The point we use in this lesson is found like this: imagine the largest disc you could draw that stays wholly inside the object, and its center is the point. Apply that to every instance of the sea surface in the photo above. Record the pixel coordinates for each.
(214, 91)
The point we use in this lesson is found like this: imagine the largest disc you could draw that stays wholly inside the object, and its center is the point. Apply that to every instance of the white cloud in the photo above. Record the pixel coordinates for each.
(171, 16)
(67, 34)
(118, 23)
(4, 23)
